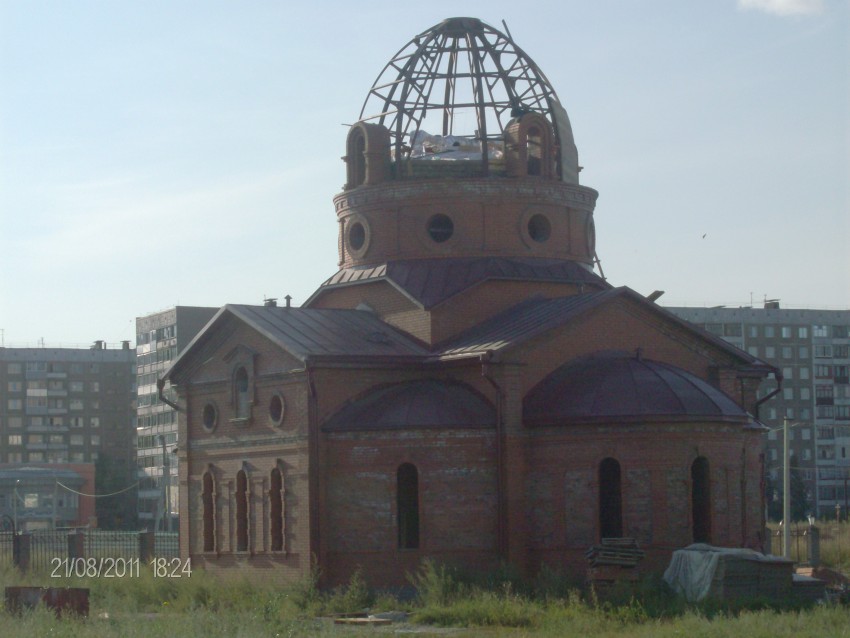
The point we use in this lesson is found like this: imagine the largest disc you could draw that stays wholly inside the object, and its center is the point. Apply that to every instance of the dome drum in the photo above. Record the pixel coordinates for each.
(522, 217)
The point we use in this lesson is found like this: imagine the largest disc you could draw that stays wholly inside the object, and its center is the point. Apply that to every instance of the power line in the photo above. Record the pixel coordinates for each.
(126, 489)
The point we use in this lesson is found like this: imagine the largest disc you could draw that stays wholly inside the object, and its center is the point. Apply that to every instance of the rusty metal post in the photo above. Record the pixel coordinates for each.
(147, 544)
(76, 544)
(22, 550)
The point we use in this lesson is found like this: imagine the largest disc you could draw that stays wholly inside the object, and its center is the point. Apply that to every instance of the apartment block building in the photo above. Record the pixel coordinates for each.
(812, 350)
(159, 337)
(71, 406)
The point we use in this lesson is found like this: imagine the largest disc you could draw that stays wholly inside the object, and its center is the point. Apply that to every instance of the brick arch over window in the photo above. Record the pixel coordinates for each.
(610, 499)
(276, 510)
(530, 147)
(407, 501)
(208, 498)
(242, 393)
(241, 361)
(367, 155)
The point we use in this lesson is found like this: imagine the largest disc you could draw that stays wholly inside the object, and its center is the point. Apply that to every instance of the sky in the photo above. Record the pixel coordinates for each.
(175, 152)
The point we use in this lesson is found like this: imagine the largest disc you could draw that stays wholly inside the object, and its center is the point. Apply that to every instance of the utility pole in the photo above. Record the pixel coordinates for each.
(55, 499)
(786, 492)
(166, 485)
(15, 506)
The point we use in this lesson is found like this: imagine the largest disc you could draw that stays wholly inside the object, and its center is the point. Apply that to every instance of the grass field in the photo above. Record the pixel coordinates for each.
(448, 604)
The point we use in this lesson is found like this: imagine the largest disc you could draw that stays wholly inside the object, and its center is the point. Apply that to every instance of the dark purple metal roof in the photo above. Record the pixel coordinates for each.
(428, 403)
(526, 319)
(616, 385)
(429, 282)
(305, 332)
(538, 314)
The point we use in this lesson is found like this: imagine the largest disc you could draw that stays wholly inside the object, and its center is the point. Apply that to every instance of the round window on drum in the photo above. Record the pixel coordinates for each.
(441, 228)
(539, 228)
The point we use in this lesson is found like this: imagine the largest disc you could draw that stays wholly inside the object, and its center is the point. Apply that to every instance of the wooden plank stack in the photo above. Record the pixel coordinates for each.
(622, 552)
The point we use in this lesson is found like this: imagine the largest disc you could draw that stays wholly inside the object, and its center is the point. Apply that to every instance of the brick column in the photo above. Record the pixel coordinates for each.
(21, 550)
(513, 471)
(76, 545)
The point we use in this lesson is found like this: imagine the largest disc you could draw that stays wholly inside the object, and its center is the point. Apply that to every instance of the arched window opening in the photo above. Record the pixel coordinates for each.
(534, 152)
(276, 510)
(408, 506)
(610, 499)
(242, 402)
(241, 511)
(208, 503)
(356, 158)
(701, 500)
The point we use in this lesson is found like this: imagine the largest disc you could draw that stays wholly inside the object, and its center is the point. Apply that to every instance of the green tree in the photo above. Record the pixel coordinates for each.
(118, 511)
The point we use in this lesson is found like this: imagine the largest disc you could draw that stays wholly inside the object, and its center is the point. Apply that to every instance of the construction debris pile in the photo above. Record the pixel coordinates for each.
(702, 571)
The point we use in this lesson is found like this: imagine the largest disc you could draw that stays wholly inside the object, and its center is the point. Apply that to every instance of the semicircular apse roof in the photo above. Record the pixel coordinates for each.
(627, 388)
(429, 403)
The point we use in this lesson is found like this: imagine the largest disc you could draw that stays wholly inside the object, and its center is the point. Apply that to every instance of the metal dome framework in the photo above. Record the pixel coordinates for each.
(461, 77)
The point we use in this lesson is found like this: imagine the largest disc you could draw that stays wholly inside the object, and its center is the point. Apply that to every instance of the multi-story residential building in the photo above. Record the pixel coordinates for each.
(812, 350)
(72, 406)
(159, 337)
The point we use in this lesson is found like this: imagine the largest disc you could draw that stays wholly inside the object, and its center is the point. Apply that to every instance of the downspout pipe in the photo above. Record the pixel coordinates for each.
(314, 474)
(777, 374)
(160, 392)
(500, 461)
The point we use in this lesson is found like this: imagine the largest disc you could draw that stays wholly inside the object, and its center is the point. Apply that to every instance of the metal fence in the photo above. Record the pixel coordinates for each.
(103, 544)
(52, 549)
(45, 546)
(166, 545)
(6, 555)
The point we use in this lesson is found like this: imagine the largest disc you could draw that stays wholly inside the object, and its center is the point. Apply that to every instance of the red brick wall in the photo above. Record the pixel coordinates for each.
(562, 487)
(457, 501)
(258, 446)
(340, 498)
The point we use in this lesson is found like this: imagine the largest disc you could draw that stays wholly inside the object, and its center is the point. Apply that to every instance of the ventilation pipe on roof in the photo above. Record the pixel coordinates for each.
(288, 299)
(314, 476)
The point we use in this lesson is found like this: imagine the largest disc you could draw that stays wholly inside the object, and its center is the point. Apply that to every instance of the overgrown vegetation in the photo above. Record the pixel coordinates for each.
(834, 542)
(493, 604)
